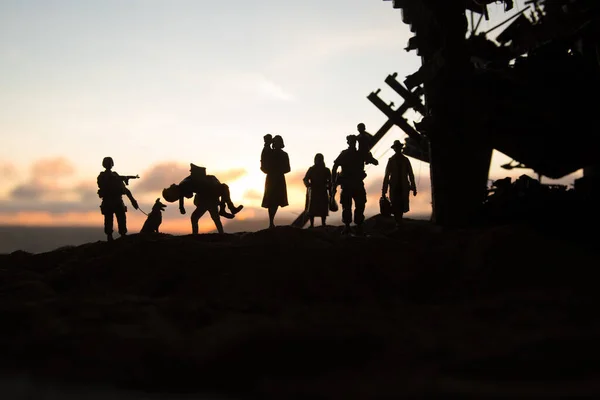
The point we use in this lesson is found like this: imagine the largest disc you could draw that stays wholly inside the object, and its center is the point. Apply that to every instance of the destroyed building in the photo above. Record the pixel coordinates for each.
(532, 94)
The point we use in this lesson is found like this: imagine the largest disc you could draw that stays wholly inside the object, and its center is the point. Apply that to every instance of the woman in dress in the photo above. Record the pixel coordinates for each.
(276, 166)
(318, 186)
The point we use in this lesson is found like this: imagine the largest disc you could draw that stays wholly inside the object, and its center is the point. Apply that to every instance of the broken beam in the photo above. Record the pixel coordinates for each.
(411, 98)
(395, 116)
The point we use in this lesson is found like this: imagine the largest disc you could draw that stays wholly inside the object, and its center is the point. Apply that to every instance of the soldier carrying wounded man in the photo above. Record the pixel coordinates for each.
(210, 195)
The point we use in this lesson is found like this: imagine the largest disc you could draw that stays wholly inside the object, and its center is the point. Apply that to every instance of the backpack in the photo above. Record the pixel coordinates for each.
(110, 184)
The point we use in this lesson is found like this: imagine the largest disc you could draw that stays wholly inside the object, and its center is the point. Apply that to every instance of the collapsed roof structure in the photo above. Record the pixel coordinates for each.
(530, 94)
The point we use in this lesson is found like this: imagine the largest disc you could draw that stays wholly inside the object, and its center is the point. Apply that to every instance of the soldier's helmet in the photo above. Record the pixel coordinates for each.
(108, 162)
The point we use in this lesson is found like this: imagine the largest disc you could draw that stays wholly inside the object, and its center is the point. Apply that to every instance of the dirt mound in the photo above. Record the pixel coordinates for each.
(291, 313)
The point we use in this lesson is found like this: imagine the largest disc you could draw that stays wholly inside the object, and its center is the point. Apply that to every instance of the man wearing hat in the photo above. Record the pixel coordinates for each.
(401, 180)
(210, 195)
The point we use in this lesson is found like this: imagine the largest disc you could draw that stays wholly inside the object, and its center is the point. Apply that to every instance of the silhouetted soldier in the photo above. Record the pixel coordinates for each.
(210, 195)
(364, 140)
(318, 189)
(276, 166)
(401, 180)
(351, 180)
(111, 188)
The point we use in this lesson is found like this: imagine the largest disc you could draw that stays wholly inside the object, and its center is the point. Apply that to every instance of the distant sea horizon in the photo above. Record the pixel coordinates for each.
(40, 239)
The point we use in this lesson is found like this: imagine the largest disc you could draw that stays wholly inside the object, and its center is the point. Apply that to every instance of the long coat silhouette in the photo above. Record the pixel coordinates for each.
(401, 180)
(276, 166)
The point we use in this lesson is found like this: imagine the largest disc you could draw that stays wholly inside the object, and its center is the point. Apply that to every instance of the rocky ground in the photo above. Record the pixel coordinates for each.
(294, 313)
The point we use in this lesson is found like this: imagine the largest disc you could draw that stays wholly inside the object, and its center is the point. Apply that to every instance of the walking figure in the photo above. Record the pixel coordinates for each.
(275, 164)
(318, 189)
(210, 195)
(401, 181)
(351, 180)
(111, 188)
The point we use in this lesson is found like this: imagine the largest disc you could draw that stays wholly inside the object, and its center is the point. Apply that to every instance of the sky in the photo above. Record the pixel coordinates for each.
(160, 84)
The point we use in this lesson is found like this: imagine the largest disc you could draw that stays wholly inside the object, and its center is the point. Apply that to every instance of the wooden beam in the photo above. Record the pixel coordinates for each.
(395, 116)
(409, 97)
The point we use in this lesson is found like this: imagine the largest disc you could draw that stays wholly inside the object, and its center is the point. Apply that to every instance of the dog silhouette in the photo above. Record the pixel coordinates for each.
(154, 218)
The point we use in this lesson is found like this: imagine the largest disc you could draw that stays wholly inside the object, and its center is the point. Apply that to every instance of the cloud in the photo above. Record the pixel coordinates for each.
(229, 175)
(272, 89)
(160, 176)
(87, 192)
(44, 181)
(44, 194)
(34, 190)
(47, 192)
(50, 207)
(294, 179)
(252, 84)
(52, 169)
(318, 46)
(8, 170)
(45, 189)
(253, 194)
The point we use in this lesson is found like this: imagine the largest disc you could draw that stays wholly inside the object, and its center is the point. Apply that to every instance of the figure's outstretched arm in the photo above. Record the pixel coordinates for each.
(100, 192)
(371, 160)
(334, 175)
(131, 199)
(181, 207)
(306, 178)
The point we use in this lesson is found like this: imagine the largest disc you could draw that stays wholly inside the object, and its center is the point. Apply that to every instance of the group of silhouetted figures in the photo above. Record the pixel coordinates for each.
(211, 195)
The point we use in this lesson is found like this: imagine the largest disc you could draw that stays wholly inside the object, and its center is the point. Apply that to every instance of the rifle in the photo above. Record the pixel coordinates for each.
(126, 178)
